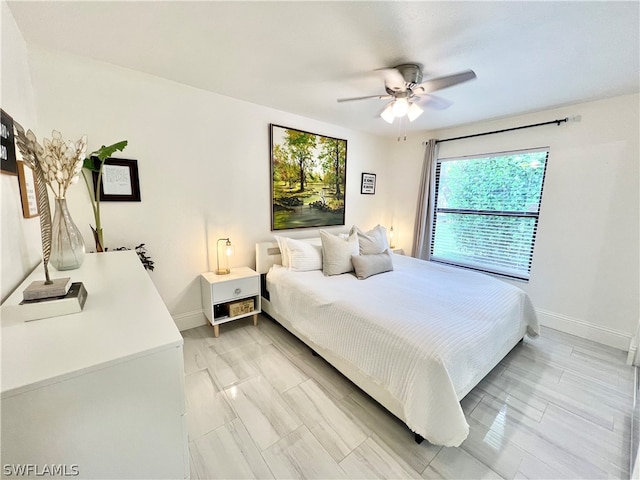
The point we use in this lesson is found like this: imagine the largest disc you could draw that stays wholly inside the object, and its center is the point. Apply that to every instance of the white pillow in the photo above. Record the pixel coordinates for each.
(303, 256)
(336, 253)
(284, 250)
(372, 242)
(368, 265)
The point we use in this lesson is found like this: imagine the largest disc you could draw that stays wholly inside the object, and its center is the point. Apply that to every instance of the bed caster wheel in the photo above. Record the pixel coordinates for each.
(418, 438)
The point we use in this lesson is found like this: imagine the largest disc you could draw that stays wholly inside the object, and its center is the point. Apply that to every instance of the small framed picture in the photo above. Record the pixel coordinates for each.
(28, 191)
(120, 182)
(7, 145)
(368, 184)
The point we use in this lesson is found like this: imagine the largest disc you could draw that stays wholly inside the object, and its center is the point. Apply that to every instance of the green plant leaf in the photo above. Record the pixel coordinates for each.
(91, 163)
(95, 159)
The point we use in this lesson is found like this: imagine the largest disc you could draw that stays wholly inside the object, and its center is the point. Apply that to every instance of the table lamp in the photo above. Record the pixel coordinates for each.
(228, 251)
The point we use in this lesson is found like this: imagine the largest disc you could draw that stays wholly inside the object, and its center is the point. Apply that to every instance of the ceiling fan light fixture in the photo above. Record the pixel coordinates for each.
(387, 114)
(414, 111)
(404, 83)
(400, 107)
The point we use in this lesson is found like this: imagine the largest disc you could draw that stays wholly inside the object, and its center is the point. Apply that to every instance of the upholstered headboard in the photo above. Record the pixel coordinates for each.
(267, 255)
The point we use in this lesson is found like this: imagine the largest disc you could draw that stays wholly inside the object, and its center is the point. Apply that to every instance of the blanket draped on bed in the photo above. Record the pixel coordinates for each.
(424, 332)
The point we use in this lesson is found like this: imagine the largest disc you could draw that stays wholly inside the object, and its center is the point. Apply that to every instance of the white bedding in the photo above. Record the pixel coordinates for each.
(424, 332)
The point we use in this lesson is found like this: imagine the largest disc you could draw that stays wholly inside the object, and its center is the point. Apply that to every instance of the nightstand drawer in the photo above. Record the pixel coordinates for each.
(242, 287)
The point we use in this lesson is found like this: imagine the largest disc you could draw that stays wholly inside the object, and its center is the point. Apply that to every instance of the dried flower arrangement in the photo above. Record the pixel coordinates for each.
(62, 162)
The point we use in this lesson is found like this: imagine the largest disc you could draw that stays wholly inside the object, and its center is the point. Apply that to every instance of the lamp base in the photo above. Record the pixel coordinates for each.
(223, 271)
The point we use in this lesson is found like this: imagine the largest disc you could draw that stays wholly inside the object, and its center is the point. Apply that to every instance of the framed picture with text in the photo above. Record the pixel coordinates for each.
(368, 186)
(119, 182)
(7, 145)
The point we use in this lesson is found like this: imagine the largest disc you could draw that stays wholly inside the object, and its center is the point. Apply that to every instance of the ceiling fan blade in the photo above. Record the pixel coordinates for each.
(444, 82)
(393, 79)
(340, 100)
(434, 102)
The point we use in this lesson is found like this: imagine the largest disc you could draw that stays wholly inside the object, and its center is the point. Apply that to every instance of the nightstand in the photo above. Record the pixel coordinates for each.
(230, 297)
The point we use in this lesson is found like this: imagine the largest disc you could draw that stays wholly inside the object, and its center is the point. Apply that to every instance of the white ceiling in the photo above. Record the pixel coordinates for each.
(301, 56)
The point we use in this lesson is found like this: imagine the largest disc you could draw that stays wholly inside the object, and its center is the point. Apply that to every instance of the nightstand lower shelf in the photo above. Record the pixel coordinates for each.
(218, 321)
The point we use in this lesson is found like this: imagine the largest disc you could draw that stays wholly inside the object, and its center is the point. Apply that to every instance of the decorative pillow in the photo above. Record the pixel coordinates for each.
(368, 265)
(284, 250)
(337, 252)
(372, 242)
(303, 256)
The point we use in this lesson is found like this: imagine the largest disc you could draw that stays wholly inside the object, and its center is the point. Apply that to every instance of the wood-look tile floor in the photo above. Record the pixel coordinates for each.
(260, 405)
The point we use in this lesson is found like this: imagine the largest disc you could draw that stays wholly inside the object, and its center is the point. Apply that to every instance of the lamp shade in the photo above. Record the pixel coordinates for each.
(414, 111)
(400, 107)
(387, 114)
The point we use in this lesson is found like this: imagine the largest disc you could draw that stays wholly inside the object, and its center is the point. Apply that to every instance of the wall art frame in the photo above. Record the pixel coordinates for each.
(28, 191)
(308, 179)
(119, 182)
(368, 184)
(8, 161)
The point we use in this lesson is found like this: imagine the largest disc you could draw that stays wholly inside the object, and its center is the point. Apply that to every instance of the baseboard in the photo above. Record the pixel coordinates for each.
(632, 353)
(188, 320)
(580, 328)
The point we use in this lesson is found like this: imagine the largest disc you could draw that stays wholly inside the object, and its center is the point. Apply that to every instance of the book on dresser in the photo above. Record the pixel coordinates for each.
(72, 302)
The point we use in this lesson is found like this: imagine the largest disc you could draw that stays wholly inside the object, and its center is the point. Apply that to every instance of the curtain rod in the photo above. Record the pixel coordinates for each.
(558, 121)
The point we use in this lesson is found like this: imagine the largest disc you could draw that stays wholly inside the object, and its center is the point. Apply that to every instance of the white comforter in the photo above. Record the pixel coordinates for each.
(426, 333)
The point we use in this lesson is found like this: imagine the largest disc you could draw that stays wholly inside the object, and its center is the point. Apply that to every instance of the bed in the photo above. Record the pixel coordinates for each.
(417, 339)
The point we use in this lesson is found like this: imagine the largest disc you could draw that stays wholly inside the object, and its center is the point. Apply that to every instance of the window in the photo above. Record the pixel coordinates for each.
(486, 211)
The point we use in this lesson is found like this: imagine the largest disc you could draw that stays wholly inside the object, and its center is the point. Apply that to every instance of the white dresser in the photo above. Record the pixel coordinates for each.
(100, 392)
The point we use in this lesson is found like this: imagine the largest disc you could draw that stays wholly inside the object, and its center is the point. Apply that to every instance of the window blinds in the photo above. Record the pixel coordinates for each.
(486, 211)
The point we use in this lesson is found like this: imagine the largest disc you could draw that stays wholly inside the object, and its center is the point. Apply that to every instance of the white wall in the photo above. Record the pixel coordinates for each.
(203, 161)
(204, 170)
(20, 247)
(584, 278)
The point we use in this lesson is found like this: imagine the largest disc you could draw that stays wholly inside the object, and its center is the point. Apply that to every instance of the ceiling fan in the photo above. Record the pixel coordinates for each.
(403, 84)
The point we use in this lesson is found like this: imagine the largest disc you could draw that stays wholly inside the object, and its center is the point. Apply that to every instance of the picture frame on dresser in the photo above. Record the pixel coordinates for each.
(28, 191)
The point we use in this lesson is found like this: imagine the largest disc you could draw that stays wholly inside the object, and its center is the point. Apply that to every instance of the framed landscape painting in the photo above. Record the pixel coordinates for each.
(308, 179)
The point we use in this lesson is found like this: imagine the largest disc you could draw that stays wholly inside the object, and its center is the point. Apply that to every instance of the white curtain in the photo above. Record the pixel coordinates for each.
(423, 211)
